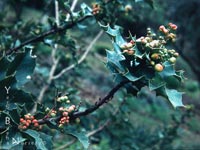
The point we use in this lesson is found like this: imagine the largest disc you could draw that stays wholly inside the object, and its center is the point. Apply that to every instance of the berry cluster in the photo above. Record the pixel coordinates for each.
(128, 48)
(65, 115)
(155, 47)
(29, 121)
(96, 9)
(63, 99)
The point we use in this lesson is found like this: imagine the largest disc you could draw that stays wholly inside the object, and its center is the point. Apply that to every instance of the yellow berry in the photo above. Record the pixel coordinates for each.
(158, 67)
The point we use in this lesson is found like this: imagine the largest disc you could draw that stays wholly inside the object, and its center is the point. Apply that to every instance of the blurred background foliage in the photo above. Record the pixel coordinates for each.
(142, 123)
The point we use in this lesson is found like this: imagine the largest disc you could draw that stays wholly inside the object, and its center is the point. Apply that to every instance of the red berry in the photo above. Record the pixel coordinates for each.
(35, 121)
(27, 124)
(65, 114)
(21, 119)
(23, 122)
(29, 121)
(36, 124)
(161, 28)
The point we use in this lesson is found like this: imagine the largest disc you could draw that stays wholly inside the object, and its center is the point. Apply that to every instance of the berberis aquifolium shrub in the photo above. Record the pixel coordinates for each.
(134, 61)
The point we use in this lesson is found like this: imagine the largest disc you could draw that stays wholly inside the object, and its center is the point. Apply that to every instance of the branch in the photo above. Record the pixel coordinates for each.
(98, 103)
(81, 59)
(45, 34)
(91, 133)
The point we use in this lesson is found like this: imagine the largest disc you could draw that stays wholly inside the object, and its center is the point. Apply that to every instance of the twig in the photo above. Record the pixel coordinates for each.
(57, 13)
(45, 34)
(99, 103)
(100, 128)
(49, 80)
(81, 59)
(72, 8)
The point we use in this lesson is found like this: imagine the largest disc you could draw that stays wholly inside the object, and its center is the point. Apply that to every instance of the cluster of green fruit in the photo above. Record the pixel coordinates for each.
(153, 47)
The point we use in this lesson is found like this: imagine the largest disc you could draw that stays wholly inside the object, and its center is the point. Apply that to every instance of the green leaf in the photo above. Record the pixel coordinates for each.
(168, 70)
(22, 66)
(3, 67)
(40, 143)
(115, 58)
(156, 83)
(86, 10)
(131, 77)
(174, 97)
(13, 141)
(82, 138)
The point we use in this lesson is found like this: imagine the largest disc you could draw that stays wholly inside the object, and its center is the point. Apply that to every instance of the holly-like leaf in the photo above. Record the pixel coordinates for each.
(115, 58)
(156, 83)
(174, 97)
(40, 140)
(168, 70)
(86, 10)
(13, 141)
(82, 138)
(131, 77)
(22, 66)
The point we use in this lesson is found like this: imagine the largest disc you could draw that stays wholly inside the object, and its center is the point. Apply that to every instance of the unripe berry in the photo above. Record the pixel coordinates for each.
(152, 63)
(60, 126)
(125, 51)
(172, 59)
(129, 45)
(176, 54)
(47, 109)
(24, 127)
(26, 116)
(53, 114)
(128, 8)
(130, 52)
(158, 67)
(123, 46)
(155, 56)
(61, 109)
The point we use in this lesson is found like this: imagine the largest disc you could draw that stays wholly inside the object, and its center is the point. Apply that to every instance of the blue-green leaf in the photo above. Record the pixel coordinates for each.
(115, 58)
(40, 141)
(82, 138)
(22, 66)
(168, 70)
(174, 97)
(156, 83)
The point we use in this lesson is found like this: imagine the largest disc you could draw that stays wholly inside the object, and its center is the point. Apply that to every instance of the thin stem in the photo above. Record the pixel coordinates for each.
(81, 59)
(90, 110)
(45, 34)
